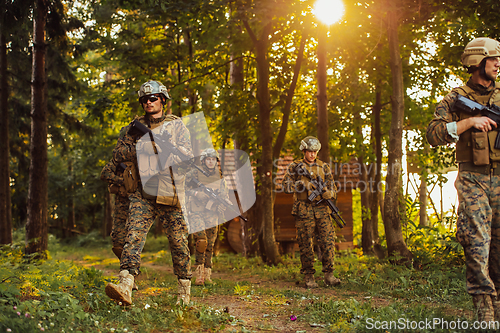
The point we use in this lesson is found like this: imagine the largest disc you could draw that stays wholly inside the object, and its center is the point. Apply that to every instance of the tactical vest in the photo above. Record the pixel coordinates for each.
(466, 143)
(167, 184)
(315, 171)
(212, 181)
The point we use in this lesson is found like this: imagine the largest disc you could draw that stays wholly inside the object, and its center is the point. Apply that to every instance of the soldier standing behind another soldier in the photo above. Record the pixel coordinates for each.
(158, 197)
(478, 180)
(309, 216)
(203, 215)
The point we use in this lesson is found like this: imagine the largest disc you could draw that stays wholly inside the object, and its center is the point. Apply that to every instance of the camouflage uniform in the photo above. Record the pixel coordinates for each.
(122, 202)
(311, 218)
(144, 208)
(478, 187)
(205, 221)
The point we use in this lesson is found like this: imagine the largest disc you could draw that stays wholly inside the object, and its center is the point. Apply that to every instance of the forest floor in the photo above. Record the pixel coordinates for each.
(264, 299)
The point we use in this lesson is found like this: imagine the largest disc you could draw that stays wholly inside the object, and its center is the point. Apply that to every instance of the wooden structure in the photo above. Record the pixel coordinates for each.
(346, 178)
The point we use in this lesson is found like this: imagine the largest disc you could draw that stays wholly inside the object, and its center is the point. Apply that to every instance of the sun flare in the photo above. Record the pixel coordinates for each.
(328, 11)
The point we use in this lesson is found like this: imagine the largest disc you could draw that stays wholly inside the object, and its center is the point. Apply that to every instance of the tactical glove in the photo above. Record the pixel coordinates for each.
(221, 209)
(327, 195)
(299, 186)
(201, 196)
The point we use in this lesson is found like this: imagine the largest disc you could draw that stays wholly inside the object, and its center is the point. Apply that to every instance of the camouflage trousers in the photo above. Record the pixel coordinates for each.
(141, 217)
(311, 219)
(478, 230)
(205, 224)
(120, 214)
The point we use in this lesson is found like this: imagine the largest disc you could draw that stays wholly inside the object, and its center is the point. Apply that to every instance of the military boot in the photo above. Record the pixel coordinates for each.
(208, 273)
(495, 300)
(331, 280)
(121, 292)
(184, 288)
(309, 280)
(484, 307)
(199, 275)
(118, 253)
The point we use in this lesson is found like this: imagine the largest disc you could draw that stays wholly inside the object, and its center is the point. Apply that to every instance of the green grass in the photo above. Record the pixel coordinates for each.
(63, 295)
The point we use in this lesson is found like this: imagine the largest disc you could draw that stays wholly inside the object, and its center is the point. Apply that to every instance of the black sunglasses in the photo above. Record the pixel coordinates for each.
(151, 98)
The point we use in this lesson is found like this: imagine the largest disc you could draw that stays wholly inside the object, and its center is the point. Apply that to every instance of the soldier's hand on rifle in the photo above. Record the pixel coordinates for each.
(484, 124)
(327, 195)
(201, 195)
(299, 186)
(173, 160)
(221, 209)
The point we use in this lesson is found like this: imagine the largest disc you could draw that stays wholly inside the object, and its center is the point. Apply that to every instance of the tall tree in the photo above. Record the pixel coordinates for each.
(5, 201)
(36, 226)
(393, 195)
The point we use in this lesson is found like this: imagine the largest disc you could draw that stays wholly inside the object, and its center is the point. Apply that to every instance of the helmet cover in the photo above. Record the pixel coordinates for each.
(209, 152)
(153, 87)
(310, 143)
(478, 49)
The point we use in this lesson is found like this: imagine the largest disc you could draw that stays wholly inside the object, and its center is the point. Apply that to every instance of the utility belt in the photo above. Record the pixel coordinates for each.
(489, 169)
(315, 202)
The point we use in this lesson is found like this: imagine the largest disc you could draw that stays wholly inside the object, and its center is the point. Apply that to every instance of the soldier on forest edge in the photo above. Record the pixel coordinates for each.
(478, 180)
(310, 217)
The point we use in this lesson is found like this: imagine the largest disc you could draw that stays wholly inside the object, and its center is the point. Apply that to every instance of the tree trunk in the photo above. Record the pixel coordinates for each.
(322, 126)
(376, 174)
(423, 201)
(366, 222)
(423, 221)
(71, 202)
(266, 183)
(393, 196)
(5, 203)
(36, 225)
(265, 186)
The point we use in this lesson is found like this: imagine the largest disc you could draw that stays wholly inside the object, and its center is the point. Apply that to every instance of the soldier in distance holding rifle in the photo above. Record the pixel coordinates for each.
(159, 197)
(310, 217)
(478, 181)
(204, 212)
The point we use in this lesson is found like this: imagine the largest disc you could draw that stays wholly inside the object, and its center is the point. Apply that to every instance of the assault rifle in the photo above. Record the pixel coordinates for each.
(138, 129)
(319, 188)
(463, 104)
(195, 183)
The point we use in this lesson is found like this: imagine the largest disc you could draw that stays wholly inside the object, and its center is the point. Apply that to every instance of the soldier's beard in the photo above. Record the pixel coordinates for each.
(486, 76)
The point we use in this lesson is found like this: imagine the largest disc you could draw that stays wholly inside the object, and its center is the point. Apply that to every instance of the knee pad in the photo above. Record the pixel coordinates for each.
(201, 245)
(117, 251)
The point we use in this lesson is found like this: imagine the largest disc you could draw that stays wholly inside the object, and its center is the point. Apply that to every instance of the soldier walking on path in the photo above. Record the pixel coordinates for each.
(478, 180)
(309, 216)
(161, 195)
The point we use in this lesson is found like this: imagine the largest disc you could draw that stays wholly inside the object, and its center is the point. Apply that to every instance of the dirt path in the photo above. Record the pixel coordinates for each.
(260, 308)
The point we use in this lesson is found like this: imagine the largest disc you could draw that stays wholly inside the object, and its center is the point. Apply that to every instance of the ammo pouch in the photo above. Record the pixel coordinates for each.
(130, 177)
(494, 153)
(480, 148)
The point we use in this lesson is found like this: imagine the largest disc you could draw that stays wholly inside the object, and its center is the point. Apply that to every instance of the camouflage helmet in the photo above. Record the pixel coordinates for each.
(310, 143)
(151, 88)
(209, 152)
(478, 49)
